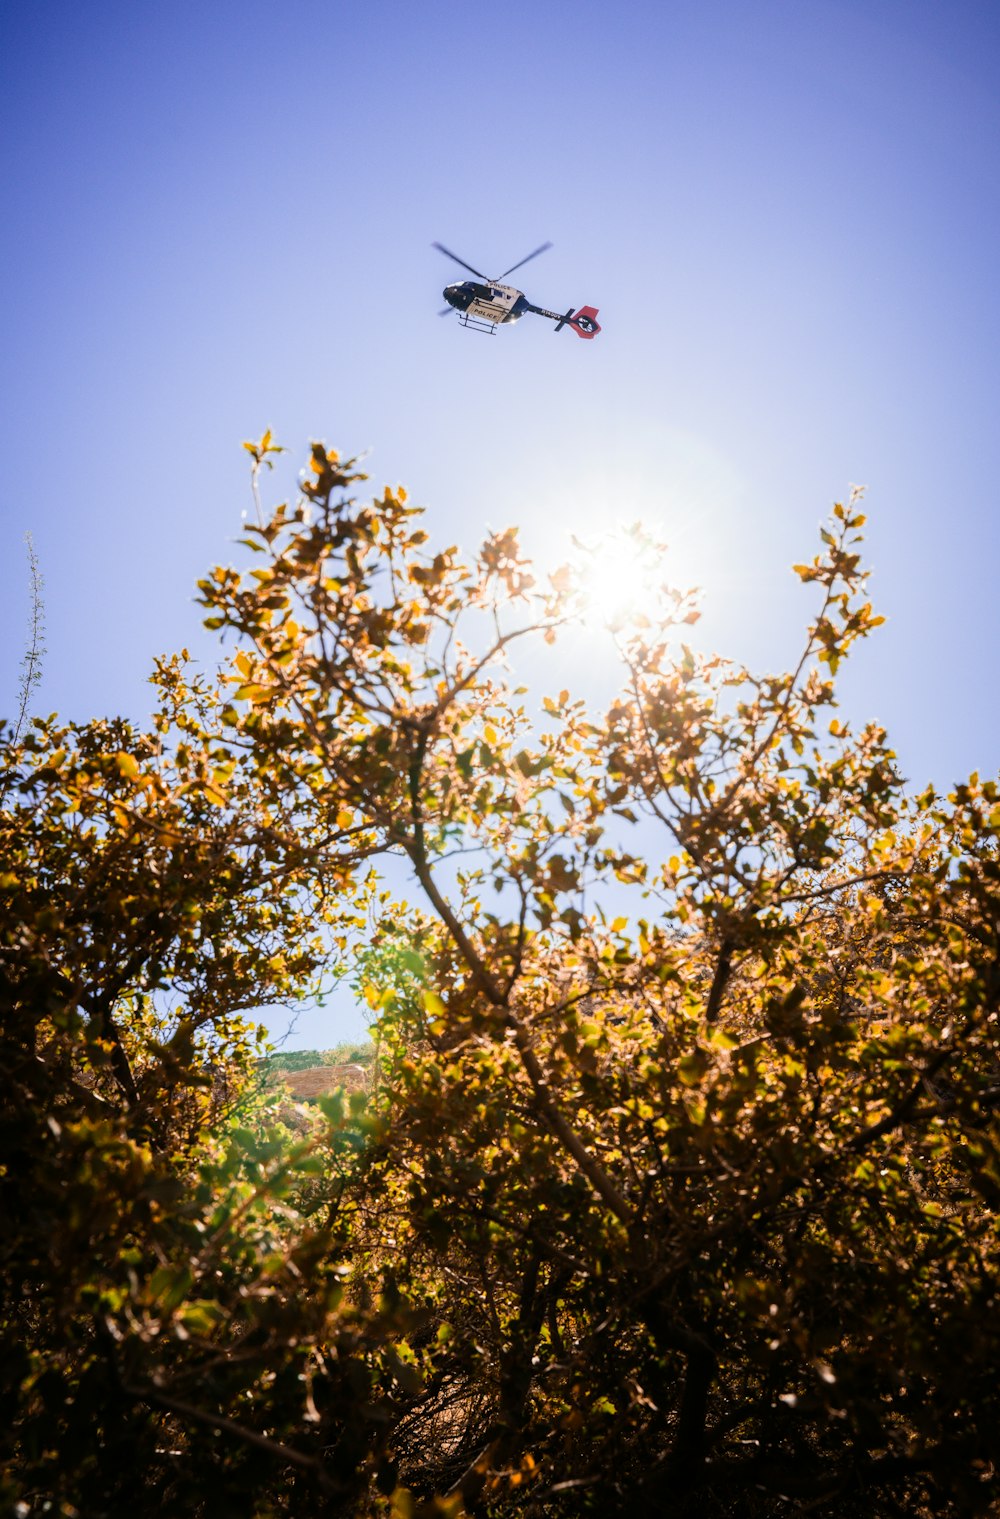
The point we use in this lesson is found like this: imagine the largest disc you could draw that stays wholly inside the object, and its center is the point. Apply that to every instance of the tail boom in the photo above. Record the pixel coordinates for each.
(583, 322)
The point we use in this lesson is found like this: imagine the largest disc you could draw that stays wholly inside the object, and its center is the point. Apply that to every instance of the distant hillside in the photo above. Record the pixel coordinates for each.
(358, 1052)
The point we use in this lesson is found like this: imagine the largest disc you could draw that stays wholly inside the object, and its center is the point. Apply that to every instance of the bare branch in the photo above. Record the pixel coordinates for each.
(31, 664)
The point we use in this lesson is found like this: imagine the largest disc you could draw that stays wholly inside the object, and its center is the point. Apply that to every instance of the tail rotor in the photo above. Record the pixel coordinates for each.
(583, 322)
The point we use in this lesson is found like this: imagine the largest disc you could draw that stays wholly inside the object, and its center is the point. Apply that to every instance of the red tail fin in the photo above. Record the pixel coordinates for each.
(585, 323)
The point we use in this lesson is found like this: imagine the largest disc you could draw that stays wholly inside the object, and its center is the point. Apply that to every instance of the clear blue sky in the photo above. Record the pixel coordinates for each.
(217, 218)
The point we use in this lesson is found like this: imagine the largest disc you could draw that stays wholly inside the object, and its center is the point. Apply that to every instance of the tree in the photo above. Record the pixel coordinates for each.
(688, 1209)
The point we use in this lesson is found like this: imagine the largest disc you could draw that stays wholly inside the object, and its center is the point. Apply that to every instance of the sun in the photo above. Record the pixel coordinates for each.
(618, 577)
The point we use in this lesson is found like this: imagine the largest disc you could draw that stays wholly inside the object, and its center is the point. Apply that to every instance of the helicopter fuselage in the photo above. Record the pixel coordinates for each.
(487, 304)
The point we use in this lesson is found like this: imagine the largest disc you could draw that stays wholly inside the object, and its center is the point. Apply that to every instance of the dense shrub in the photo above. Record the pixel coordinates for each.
(682, 1204)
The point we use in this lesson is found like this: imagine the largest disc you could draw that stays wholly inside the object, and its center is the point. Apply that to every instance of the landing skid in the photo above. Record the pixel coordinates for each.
(476, 323)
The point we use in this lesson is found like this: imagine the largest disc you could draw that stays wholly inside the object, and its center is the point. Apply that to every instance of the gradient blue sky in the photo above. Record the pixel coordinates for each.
(217, 218)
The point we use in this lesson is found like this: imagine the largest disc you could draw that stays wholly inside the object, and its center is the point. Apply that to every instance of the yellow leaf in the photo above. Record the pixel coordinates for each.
(432, 1003)
(402, 1503)
(127, 764)
(243, 664)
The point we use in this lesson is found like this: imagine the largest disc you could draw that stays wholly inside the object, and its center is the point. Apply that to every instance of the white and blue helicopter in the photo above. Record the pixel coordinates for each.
(484, 304)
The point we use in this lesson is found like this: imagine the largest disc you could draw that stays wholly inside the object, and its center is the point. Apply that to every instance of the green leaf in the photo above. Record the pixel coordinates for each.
(691, 1068)
(169, 1285)
(201, 1316)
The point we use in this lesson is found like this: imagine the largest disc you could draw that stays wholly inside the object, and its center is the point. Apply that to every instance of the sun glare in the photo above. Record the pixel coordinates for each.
(618, 576)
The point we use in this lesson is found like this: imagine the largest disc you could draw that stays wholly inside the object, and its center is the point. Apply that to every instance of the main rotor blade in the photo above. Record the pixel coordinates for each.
(446, 311)
(448, 253)
(530, 256)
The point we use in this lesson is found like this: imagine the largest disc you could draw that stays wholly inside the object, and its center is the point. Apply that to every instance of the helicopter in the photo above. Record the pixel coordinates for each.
(486, 304)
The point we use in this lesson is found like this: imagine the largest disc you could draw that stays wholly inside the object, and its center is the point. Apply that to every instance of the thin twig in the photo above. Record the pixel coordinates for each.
(31, 664)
